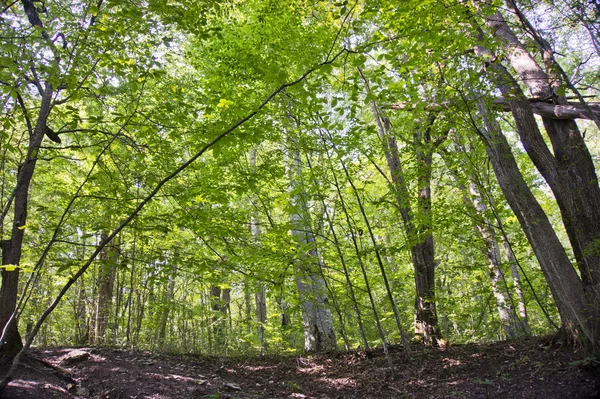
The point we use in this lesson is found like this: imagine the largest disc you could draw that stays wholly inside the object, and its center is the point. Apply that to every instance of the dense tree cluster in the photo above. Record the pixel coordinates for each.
(268, 176)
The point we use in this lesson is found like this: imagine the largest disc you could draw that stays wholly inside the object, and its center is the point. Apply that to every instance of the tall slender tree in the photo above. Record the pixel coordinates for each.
(319, 334)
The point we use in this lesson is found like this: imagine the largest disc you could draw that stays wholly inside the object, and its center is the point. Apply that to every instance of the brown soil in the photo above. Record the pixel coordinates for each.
(523, 369)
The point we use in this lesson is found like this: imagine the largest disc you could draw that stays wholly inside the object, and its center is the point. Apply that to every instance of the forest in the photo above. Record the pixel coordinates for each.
(300, 179)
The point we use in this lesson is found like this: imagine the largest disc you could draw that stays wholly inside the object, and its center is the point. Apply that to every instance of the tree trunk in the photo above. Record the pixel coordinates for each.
(167, 303)
(473, 200)
(506, 312)
(342, 259)
(352, 228)
(106, 281)
(514, 269)
(422, 245)
(540, 106)
(317, 319)
(80, 315)
(423, 252)
(260, 297)
(565, 285)
(569, 169)
(10, 341)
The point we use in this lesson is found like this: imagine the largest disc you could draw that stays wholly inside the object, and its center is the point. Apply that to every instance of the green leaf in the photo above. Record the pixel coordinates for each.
(326, 68)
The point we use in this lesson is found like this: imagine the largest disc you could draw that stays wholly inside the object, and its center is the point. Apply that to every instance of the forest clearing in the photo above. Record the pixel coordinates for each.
(299, 198)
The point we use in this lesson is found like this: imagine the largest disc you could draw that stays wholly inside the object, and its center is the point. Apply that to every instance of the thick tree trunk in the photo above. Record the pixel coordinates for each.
(565, 285)
(569, 169)
(317, 319)
(10, 342)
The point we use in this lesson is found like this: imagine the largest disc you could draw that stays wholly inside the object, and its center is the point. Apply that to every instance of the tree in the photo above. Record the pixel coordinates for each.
(569, 169)
(319, 334)
(174, 119)
(52, 63)
(108, 258)
(562, 279)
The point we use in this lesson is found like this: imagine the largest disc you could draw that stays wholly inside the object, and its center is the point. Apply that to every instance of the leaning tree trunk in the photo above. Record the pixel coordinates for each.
(10, 343)
(473, 200)
(562, 279)
(317, 319)
(569, 169)
(508, 320)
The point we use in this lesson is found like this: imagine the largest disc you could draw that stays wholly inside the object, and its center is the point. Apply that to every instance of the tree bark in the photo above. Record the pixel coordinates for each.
(569, 169)
(220, 301)
(567, 110)
(342, 259)
(543, 107)
(473, 200)
(260, 296)
(317, 319)
(166, 310)
(506, 312)
(422, 245)
(106, 281)
(565, 285)
(10, 343)
(523, 319)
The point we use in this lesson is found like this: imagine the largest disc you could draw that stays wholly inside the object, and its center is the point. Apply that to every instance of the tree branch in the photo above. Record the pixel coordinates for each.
(572, 110)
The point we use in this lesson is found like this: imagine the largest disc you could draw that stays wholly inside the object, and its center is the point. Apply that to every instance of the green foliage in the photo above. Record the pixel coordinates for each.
(140, 87)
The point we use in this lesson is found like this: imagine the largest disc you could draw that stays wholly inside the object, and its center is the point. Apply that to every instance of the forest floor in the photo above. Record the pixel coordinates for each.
(529, 368)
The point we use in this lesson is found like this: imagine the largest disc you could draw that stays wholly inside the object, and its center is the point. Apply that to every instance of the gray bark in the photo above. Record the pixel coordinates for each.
(514, 269)
(106, 281)
(260, 297)
(167, 303)
(319, 334)
(506, 312)
(543, 107)
(473, 199)
(220, 302)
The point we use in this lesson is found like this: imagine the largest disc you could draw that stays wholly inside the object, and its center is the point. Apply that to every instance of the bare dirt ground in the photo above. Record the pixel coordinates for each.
(522, 369)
